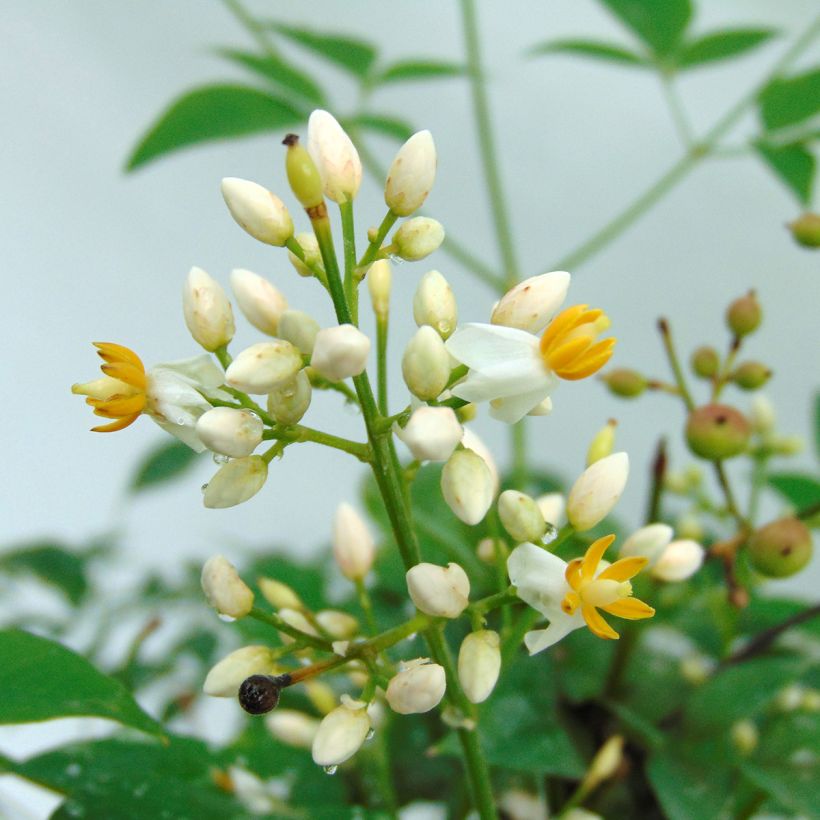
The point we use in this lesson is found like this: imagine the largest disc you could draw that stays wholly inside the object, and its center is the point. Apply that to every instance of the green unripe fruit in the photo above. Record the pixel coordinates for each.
(780, 549)
(303, 175)
(717, 431)
(705, 362)
(751, 375)
(744, 315)
(806, 230)
(624, 382)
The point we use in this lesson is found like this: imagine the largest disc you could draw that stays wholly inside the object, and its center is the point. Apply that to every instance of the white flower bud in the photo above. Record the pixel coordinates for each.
(263, 366)
(296, 619)
(236, 482)
(279, 595)
(696, 669)
(207, 310)
(417, 238)
(679, 561)
(337, 624)
(532, 303)
(336, 158)
(309, 244)
(379, 282)
(689, 525)
(790, 697)
(472, 442)
(289, 401)
(552, 506)
(431, 434)
(292, 727)
(487, 550)
(605, 763)
(762, 414)
(341, 733)
(353, 546)
(257, 211)
(258, 299)
(647, 542)
(434, 304)
(425, 364)
(340, 352)
(597, 490)
(521, 516)
(224, 680)
(300, 329)
(479, 662)
(411, 175)
(522, 805)
(418, 687)
(226, 592)
(230, 432)
(603, 443)
(744, 736)
(439, 591)
(321, 695)
(467, 486)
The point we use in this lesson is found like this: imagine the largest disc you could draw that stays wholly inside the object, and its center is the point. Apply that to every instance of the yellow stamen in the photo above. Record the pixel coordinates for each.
(568, 345)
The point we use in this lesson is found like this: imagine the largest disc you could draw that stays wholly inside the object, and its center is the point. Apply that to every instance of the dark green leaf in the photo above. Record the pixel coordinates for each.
(409, 70)
(164, 463)
(53, 563)
(41, 679)
(213, 112)
(764, 613)
(722, 45)
(794, 164)
(789, 101)
(799, 489)
(659, 25)
(590, 48)
(351, 54)
(389, 126)
(278, 71)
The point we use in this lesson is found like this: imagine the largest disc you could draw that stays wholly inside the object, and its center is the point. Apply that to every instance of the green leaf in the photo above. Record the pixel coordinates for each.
(165, 462)
(764, 613)
(41, 679)
(278, 71)
(799, 489)
(351, 54)
(387, 125)
(722, 45)
(213, 112)
(51, 562)
(789, 101)
(591, 48)
(659, 25)
(410, 70)
(794, 164)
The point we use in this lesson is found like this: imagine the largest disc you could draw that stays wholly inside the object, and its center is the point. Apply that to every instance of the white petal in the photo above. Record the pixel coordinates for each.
(480, 346)
(185, 433)
(538, 577)
(511, 379)
(538, 640)
(199, 370)
(513, 408)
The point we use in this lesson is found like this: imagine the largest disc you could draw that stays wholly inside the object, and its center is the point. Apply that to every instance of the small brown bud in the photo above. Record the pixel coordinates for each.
(717, 431)
(744, 314)
(705, 362)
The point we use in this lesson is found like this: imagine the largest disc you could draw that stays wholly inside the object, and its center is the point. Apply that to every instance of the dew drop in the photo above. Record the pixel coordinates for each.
(204, 487)
(226, 618)
(73, 770)
(330, 769)
(220, 459)
(371, 733)
(181, 420)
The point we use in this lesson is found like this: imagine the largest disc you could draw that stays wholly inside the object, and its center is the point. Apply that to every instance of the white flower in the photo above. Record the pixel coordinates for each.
(336, 158)
(431, 434)
(418, 687)
(341, 733)
(532, 303)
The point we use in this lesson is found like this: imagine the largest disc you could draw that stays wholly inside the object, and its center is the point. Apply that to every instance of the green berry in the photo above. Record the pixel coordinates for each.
(705, 362)
(624, 382)
(751, 375)
(744, 315)
(717, 431)
(806, 230)
(781, 548)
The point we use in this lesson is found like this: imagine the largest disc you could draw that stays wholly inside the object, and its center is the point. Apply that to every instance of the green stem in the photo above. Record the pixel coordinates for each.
(759, 469)
(275, 621)
(676, 109)
(366, 605)
(351, 283)
(731, 503)
(299, 433)
(252, 26)
(499, 599)
(520, 476)
(375, 245)
(674, 363)
(381, 362)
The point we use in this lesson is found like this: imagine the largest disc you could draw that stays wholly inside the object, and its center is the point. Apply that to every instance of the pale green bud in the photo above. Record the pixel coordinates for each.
(689, 525)
(597, 490)
(292, 727)
(224, 680)
(230, 432)
(606, 762)
(434, 304)
(379, 281)
(417, 238)
(303, 175)
(336, 158)
(425, 364)
(300, 329)
(207, 311)
(290, 400)
(310, 247)
(603, 443)
(341, 733)
(479, 663)
(257, 211)
(340, 352)
(744, 736)
(263, 366)
(467, 486)
(279, 595)
(418, 688)
(521, 516)
(226, 592)
(353, 546)
(337, 624)
(236, 482)
(320, 694)
(258, 299)
(762, 414)
(439, 591)
(411, 175)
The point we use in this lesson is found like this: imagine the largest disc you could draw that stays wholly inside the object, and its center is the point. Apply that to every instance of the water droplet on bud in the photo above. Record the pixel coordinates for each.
(330, 769)
(370, 734)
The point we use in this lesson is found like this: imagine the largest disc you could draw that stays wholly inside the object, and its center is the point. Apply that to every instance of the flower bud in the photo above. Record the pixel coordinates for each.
(419, 687)
(680, 560)
(472, 442)
(309, 244)
(543, 408)
(811, 701)
(224, 680)
(353, 546)
(518, 804)
(258, 299)
(488, 550)
(603, 443)
(289, 401)
(411, 175)
(321, 695)
(379, 281)
(467, 486)
(279, 595)
(786, 445)
(230, 432)
(605, 764)
(521, 516)
(705, 362)
(781, 548)
(647, 542)
(751, 375)
(434, 304)
(207, 310)
(263, 366)
(300, 329)
(297, 619)
(717, 431)
(762, 415)
(335, 156)
(340, 352)
(696, 669)
(597, 490)
(625, 383)
(744, 314)
(341, 733)
(257, 211)
(790, 698)
(532, 303)
(479, 662)
(292, 727)
(425, 364)
(806, 230)
(417, 238)
(744, 736)
(236, 482)
(337, 624)
(431, 434)
(439, 591)
(226, 592)
(303, 175)
(553, 507)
